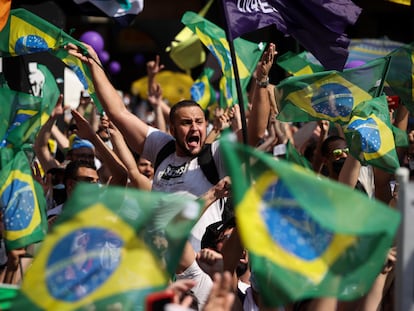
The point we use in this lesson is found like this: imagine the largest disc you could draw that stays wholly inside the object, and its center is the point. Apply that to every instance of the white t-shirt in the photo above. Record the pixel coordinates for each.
(366, 178)
(183, 174)
(203, 285)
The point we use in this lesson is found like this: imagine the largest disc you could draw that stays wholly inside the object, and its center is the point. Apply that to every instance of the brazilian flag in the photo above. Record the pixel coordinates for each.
(226, 97)
(22, 203)
(27, 33)
(298, 64)
(400, 75)
(202, 91)
(8, 293)
(307, 235)
(26, 113)
(80, 69)
(108, 250)
(330, 95)
(214, 38)
(370, 135)
(16, 110)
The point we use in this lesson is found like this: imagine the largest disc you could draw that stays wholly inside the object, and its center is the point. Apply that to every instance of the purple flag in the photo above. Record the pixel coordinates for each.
(244, 16)
(318, 25)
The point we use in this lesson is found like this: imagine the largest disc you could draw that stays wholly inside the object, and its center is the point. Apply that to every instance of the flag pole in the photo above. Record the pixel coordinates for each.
(384, 76)
(236, 73)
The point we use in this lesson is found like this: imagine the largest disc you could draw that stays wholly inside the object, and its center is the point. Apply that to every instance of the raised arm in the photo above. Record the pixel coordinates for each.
(61, 139)
(45, 157)
(153, 68)
(108, 157)
(156, 101)
(121, 149)
(133, 129)
(350, 171)
(259, 115)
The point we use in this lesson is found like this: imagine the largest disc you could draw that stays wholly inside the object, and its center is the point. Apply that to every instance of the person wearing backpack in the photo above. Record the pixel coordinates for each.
(180, 170)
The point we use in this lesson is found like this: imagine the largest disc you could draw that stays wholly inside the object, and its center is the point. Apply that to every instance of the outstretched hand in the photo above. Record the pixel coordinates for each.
(154, 66)
(59, 109)
(85, 130)
(266, 62)
(89, 57)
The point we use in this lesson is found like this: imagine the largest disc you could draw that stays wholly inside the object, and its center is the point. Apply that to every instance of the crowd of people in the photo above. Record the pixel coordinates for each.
(121, 148)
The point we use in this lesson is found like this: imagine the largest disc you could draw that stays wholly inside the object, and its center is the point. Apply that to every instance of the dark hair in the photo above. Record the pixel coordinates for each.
(212, 233)
(327, 141)
(182, 104)
(72, 169)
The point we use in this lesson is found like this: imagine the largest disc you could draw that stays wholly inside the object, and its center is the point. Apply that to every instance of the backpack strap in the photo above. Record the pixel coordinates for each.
(207, 164)
(165, 151)
(204, 158)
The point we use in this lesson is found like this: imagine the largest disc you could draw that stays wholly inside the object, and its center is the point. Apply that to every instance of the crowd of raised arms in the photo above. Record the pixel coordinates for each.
(121, 147)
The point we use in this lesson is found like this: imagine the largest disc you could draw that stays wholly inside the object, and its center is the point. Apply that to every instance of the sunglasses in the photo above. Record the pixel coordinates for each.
(338, 152)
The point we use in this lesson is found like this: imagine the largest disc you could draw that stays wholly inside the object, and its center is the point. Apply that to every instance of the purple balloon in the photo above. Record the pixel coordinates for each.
(103, 56)
(114, 67)
(354, 64)
(94, 39)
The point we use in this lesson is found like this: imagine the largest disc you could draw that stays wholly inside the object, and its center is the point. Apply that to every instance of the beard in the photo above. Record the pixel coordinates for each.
(185, 150)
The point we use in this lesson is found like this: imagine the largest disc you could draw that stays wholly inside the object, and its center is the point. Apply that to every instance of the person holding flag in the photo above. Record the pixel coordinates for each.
(180, 170)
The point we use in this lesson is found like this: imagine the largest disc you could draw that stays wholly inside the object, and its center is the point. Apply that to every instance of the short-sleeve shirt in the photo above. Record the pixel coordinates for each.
(183, 174)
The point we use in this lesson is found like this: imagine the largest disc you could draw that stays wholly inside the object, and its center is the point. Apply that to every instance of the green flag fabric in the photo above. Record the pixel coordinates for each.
(108, 250)
(18, 116)
(400, 137)
(214, 38)
(400, 77)
(22, 202)
(298, 64)
(27, 33)
(226, 97)
(29, 117)
(7, 294)
(330, 95)
(80, 69)
(306, 235)
(293, 155)
(370, 136)
(202, 91)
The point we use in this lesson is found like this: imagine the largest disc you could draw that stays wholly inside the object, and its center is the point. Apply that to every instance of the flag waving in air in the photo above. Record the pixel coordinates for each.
(214, 38)
(318, 26)
(27, 33)
(370, 135)
(299, 64)
(400, 76)
(28, 113)
(202, 91)
(361, 51)
(19, 113)
(330, 95)
(22, 202)
(306, 235)
(109, 249)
